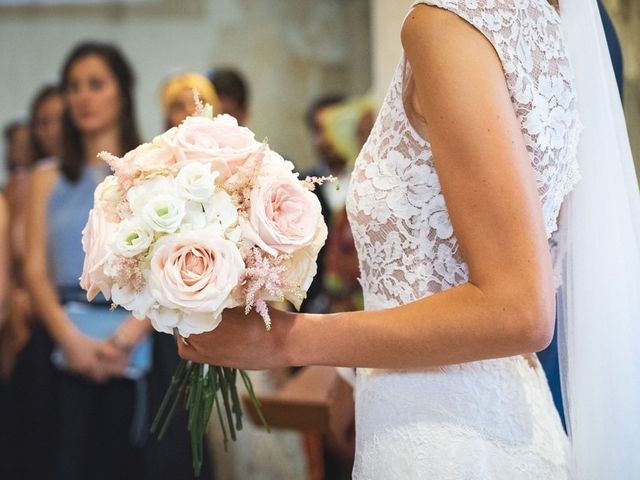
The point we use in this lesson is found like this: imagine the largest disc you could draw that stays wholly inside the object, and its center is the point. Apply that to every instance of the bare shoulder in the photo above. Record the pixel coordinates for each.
(443, 37)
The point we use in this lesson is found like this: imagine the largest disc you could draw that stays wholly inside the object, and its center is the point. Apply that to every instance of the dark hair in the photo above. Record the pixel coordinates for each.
(44, 94)
(73, 157)
(231, 84)
(318, 104)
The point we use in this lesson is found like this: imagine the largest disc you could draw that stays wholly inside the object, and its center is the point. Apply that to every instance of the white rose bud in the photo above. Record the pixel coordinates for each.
(164, 213)
(133, 237)
(196, 182)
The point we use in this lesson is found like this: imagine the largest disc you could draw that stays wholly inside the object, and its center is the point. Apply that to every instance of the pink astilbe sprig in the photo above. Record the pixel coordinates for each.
(312, 182)
(125, 174)
(198, 103)
(126, 271)
(262, 281)
(240, 184)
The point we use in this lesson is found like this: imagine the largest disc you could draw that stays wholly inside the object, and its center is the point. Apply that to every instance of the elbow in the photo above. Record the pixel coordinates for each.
(536, 323)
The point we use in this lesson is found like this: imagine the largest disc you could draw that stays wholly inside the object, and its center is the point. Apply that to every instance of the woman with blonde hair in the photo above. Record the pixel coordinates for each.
(178, 100)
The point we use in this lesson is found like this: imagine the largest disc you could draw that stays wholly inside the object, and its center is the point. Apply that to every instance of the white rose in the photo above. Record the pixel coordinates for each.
(194, 218)
(132, 238)
(196, 182)
(138, 196)
(138, 303)
(221, 211)
(164, 213)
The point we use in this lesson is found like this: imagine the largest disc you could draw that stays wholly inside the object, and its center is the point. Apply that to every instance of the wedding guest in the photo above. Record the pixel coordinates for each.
(345, 127)
(31, 419)
(95, 401)
(15, 332)
(45, 122)
(328, 162)
(103, 356)
(44, 141)
(233, 91)
(5, 434)
(177, 98)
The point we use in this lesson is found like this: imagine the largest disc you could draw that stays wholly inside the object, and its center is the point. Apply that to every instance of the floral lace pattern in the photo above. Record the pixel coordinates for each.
(408, 250)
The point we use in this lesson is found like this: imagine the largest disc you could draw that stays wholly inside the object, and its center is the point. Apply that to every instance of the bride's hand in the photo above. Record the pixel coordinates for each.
(241, 341)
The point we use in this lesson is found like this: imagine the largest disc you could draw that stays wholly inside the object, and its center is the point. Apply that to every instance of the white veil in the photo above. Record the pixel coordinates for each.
(599, 301)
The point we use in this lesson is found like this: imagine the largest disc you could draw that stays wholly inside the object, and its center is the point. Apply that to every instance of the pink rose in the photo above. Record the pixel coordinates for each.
(193, 275)
(96, 238)
(219, 142)
(283, 215)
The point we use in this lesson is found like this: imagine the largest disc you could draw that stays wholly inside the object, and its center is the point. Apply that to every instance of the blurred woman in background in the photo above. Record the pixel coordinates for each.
(28, 345)
(96, 403)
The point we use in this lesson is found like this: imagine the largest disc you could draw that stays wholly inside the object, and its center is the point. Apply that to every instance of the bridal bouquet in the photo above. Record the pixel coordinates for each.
(202, 219)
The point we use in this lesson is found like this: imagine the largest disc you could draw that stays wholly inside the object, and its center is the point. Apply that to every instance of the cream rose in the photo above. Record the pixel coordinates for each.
(193, 275)
(283, 215)
(302, 267)
(107, 192)
(219, 142)
(96, 238)
(138, 303)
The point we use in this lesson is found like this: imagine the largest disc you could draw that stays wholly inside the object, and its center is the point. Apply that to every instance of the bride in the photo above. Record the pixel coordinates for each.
(452, 202)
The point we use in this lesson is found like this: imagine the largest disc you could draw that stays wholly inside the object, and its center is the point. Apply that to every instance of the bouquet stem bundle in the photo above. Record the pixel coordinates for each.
(201, 388)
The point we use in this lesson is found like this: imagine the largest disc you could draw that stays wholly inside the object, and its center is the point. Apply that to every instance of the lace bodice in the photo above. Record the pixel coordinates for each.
(405, 241)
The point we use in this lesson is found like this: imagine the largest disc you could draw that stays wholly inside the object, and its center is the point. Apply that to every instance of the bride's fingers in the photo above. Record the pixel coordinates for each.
(187, 351)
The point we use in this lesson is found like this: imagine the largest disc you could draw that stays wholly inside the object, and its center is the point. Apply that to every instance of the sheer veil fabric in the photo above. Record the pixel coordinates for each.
(599, 241)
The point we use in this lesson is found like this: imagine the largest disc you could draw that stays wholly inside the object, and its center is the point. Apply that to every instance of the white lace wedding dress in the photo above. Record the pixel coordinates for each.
(490, 419)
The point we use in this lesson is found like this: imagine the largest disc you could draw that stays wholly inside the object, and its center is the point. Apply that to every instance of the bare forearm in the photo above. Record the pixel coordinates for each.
(48, 308)
(459, 325)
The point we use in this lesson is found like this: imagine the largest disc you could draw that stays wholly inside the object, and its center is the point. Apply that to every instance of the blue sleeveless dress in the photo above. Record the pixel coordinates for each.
(67, 213)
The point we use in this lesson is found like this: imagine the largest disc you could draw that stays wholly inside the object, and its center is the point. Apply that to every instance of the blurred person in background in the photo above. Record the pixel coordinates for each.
(5, 411)
(177, 98)
(95, 402)
(328, 162)
(14, 333)
(104, 377)
(344, 127)
(233, 92)
(29, 345)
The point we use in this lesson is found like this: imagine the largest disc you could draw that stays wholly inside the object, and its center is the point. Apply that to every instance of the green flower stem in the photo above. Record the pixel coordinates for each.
(176, 381)
(202, 388)
(225, 398)
(179, 396)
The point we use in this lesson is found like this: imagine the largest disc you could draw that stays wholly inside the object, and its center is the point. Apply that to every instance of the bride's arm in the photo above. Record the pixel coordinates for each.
(508, 305)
